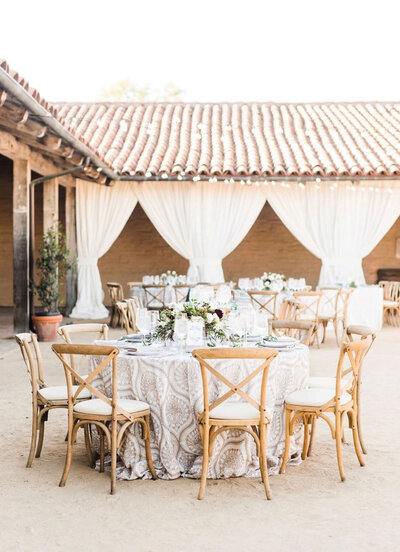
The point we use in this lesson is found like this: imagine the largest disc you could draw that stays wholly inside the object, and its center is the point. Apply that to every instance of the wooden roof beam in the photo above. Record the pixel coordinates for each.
(20, 117)
(14, 149)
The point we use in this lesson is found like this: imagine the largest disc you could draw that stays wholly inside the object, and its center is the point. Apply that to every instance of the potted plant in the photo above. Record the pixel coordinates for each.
(52, 263)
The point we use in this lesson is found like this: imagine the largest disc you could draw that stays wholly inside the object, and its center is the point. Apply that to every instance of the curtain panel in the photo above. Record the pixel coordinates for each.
(202, 221)
(340, 224)
(101, 214)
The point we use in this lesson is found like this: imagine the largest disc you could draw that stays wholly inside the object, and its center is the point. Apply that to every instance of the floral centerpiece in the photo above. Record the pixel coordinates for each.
(273, 281)
(194, 310)
(168, 275)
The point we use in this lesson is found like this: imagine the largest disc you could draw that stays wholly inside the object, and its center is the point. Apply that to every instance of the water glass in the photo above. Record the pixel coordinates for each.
(180, 331)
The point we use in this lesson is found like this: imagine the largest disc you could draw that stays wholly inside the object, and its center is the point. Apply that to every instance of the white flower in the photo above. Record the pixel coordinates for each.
(210, 317)
(197, 319)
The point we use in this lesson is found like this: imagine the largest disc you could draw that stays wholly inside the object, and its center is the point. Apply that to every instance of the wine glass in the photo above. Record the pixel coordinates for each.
(154, 320)
(261, 322)
(143, 322)
(180, 331)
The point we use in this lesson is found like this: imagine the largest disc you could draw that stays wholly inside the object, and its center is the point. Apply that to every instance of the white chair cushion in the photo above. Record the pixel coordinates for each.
(326, 382)
(59, 393)
(97, 406)
(326, 315)
(387, 303)
(314, 397)
(230, 410)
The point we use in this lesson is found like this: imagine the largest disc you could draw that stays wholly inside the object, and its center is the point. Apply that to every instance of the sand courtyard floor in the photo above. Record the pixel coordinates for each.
(311, 509)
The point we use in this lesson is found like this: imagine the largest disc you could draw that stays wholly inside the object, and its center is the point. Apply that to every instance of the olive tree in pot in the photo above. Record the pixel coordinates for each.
(52, 263)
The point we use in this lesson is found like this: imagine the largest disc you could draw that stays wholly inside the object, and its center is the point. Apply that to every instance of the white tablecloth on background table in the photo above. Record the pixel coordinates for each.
(138, 291)
(365, 307)
(171, 385)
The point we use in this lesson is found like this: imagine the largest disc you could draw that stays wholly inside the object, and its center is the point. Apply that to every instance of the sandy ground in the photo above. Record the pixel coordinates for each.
(311, 509)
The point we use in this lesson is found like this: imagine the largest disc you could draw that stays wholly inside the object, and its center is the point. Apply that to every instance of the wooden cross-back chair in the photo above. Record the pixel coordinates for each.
(221, 415)
(134, 303)
(361, 332)
(89, 332)
(112, 416)
(335, 303)
(181, 292)
(326, 382)
(72, 331)
(155, 296)
(298, 329)
(116, 294)
(122, 307)
(44, 398)
(264, 300)
(288, 309)
(391, 303)
(308, 307)
(313, 403)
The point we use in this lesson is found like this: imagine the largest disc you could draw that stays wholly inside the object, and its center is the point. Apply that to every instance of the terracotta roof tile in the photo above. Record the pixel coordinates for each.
(240, 139)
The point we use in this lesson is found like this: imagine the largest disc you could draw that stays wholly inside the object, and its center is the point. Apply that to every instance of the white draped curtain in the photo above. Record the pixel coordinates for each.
(340, 224)
(202, 221)
(101, 214)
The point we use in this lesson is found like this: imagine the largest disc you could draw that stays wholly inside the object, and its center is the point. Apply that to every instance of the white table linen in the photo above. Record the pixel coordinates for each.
(365, 307)
(171, 385)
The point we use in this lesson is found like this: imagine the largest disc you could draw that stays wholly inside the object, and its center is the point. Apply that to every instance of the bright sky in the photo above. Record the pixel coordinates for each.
(218, 50)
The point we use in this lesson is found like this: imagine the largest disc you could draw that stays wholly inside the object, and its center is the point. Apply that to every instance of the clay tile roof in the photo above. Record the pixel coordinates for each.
(241, 139)
(25, 84)
(235, 140)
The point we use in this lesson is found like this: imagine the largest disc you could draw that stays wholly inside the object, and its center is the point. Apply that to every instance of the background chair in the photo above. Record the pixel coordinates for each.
(221, 415)
(289, 309)
(155, 296)
(264, 300)
(308, 307)
(333, 308)
(293, 328)
(391, 303)
(103, 411)
(44, 398)
(311, 404)
(116, 294)
(122, 307)
(181, 292)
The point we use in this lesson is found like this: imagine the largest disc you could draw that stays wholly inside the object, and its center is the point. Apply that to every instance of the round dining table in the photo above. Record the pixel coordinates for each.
(170, 382)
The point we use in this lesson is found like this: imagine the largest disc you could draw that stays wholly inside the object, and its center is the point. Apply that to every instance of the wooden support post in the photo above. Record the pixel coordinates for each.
(50, 204)
(70, 230)
(22, 178)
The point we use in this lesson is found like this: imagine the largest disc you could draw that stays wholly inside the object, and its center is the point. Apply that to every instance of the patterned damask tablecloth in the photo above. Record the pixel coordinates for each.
(171, 385)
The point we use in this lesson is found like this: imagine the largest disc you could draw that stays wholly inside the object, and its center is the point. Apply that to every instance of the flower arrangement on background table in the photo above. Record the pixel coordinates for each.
(273, 281)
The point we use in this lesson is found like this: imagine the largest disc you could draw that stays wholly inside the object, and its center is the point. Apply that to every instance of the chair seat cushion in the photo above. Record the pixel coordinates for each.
(230, 410)
(97, 406)
(326, 315)
(387, 303)
(59, 393)
(326, 382)
(314, 397)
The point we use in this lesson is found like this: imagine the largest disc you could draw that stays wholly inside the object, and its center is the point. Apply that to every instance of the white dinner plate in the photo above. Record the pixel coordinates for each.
(150, 352)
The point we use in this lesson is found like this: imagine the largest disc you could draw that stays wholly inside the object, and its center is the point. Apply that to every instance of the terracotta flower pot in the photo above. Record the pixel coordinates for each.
(46, 325)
